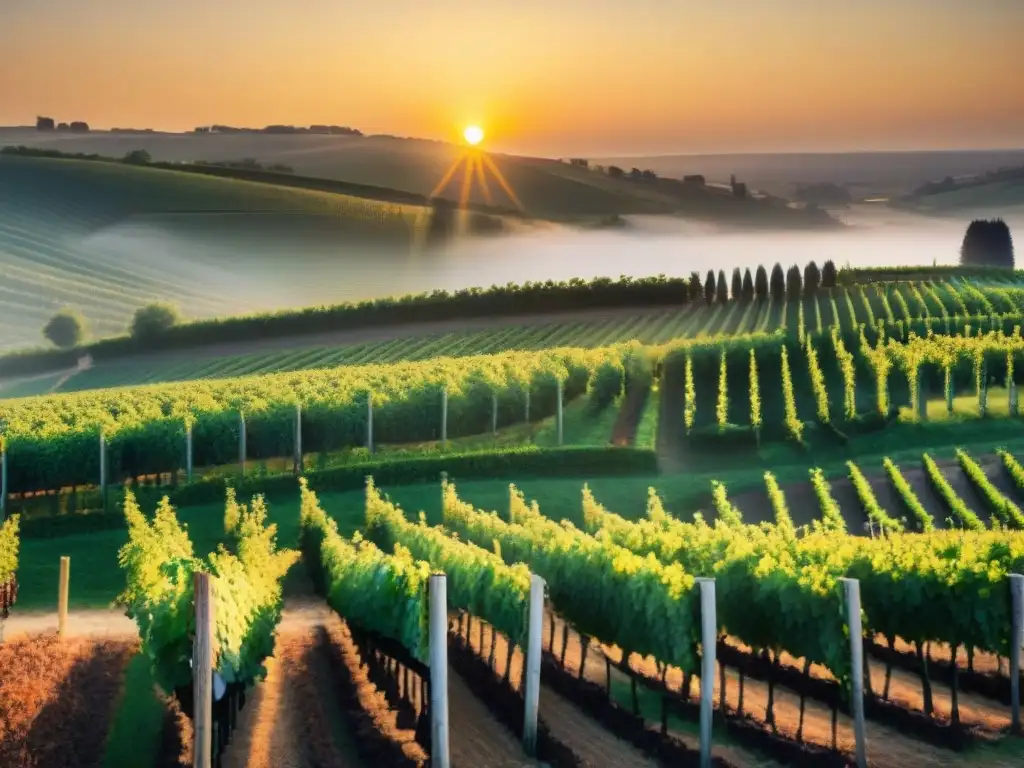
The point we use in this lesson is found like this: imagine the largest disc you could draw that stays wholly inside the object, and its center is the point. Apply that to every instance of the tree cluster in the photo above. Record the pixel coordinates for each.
(987, 243)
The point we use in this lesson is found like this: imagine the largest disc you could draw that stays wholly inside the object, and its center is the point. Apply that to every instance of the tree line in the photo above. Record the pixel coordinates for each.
(780, 285)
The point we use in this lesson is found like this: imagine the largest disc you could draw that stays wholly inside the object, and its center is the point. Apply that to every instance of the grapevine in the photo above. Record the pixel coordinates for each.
(817, 383)
(955, 504)
(831, 516)
(722, 406)
(8, 565)
(793, 423)
(728, 513)
(783, 520)
(755, 397)
(878, 516)
(1008, 513)
(690, 408)
(907, 496)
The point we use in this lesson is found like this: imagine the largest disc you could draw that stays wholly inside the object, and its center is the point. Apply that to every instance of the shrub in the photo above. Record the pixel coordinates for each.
(694, 287)
(153, 320)
(66, 329)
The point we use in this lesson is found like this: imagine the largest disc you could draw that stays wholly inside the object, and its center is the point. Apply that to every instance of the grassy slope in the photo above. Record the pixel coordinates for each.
(49, 210)
(997, 196)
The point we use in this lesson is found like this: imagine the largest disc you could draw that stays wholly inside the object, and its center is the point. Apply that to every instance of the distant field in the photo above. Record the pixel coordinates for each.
(994, 198)
(53, 249)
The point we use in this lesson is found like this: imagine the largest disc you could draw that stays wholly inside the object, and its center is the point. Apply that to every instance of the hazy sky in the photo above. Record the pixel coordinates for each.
(548, 77)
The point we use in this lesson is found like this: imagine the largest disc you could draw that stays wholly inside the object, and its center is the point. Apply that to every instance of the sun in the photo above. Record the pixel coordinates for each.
(473, 134)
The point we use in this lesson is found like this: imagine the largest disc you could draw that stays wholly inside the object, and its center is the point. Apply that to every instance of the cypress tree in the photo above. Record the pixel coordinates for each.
(828, 274)
(737, 284)
(793, 282)
(695, 288)
(761, 283)
(812, 279)
(722, 289)
(777, 284)
(748, 286)
(709, 286)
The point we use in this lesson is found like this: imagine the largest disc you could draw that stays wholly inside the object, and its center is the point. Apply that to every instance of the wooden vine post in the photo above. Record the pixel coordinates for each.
(851, 593)
(444, 417)
(241, 441)
(558, 412)
(62, 596)
(531, 684)
(369, 421)
(298, 438)
(439, 745)
(202, 673)
(188, 451)
(1016, 642)
(708, 647)
(103, 470)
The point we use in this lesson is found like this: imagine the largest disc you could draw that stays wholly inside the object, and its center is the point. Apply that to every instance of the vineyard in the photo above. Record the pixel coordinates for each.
(621, 636)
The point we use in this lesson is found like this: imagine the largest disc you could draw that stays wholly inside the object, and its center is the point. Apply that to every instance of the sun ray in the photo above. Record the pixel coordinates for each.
(448, 176)
(502, 182)
(481, 179)
(467, 182)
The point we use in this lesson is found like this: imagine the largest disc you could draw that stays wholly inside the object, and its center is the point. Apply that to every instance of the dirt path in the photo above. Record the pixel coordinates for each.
(587, 738)
(288, 724)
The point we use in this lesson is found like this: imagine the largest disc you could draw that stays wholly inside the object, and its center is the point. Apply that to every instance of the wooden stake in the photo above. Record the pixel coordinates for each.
(62, 597)
(202, 673)
(369, 421)
(444, 417)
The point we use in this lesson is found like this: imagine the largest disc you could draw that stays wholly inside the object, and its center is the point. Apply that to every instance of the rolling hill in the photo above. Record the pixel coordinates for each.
(107, 238)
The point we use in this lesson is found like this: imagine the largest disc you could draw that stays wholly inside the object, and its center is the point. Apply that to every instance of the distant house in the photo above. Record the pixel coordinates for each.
(45, 124)
(79, 127)
(63, 127)
(579, 162)
(696, 179)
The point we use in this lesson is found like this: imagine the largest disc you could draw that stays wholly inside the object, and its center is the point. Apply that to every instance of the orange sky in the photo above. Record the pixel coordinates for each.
(548, 77)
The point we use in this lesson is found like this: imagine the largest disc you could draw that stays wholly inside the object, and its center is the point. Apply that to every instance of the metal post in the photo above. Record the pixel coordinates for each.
(851, 591)
(444, 417)
(202, 673)
(241, 441)
(559, 412)
(494, 413)
(531, 681)
(527, 405)
(62, 596)
(188, 452)
(709, 640)
(1016, 641)
(369, 421)
(439, 746)
(298, 438)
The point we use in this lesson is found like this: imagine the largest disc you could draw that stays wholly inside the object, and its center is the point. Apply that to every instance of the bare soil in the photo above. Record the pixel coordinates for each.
(57, 699)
